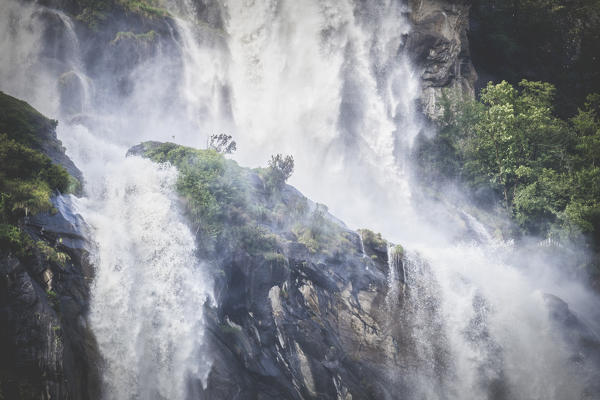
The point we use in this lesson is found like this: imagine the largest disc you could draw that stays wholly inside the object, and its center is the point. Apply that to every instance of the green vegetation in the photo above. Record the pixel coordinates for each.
(93, 12)
(222, 143)
(279, 170)
(375, 245)
(147, 37)
(372, 239)
(52, 299)
(398, 251)
(231, 207)
(318, 233)
(13, 239)
(145, 8)
(51, 254)
(218, 198)
(511, 144)
(28, 178)
(211, 186)
(23, 123)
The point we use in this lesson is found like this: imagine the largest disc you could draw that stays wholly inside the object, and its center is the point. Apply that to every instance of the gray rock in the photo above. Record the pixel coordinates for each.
(439, 46)
(47, 352)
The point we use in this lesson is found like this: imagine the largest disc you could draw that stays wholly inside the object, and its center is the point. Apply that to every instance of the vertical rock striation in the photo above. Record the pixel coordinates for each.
(439, 47)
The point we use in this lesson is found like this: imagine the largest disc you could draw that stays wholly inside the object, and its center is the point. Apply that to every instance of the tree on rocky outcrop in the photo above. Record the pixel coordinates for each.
(279, 170)
(222, 143)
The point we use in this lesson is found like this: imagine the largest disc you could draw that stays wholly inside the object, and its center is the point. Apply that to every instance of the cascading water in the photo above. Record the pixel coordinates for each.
(149, 290)
(329, 83)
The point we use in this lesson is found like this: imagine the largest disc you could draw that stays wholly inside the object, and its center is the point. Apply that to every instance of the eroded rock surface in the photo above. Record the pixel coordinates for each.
(48, 350)
(439, 46)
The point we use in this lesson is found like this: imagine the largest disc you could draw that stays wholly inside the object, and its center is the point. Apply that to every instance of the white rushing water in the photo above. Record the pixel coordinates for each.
(149, 289)
(326, 81)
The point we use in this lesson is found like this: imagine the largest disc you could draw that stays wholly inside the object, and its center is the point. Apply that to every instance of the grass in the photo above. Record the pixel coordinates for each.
(28, 178)
(147, 37)
(229, 209)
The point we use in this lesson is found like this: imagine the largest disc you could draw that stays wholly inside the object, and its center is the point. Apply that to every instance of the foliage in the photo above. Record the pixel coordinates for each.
(210, 185)
(279, 170)
(13, 239)
(275, 258)
(22, 123)
(92, 12)
(514, 130)
(398, 251)
(222, 143)
(28, 177)
(95, 12)
(51, 254)
(545, 169)
(146, 8)
(372, 240)
(52, 299)
(318, 233)
(230, 211)
(147, 37)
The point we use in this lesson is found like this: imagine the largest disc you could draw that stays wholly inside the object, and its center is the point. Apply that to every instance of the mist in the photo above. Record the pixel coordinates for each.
(330, 83)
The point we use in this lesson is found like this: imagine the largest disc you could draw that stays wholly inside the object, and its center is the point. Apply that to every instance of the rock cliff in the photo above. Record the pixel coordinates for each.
(302, 303)
(47, 349)
(439, 47)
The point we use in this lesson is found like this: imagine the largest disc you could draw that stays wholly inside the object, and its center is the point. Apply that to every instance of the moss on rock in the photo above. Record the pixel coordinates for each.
(28, 177)
(231, 207)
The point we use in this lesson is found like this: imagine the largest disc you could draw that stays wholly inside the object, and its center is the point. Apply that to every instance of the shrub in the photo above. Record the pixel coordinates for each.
(51, 254)
(279, 170)
(222, 143)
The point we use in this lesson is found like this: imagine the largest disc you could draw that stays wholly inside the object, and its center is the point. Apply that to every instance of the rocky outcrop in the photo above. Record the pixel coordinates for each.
(303, 326)
(581, 342)
(47, 350)
(439, 47)
(302, 304)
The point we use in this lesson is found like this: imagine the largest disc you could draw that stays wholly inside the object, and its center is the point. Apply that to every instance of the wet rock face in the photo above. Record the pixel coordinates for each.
(439, 46)
(302, 327)
(47, 348)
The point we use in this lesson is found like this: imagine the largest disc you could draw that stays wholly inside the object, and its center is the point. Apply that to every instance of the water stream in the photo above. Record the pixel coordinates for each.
(328, 82)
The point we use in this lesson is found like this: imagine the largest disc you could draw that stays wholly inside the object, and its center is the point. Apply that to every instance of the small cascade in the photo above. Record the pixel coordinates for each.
(482, 234)
(396, 275)
(362, 246)
(149, 290)
(203, 84)
(75, 88)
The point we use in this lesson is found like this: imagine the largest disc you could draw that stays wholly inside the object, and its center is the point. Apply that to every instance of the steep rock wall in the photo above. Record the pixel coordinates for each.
(439, 47)
(47, 350)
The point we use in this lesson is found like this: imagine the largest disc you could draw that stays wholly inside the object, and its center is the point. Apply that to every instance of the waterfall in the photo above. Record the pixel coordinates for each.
(394, 288)
(149, 290)
(328, 82)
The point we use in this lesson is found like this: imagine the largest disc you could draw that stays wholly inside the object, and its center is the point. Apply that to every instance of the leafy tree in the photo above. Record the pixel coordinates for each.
(222, 143)
(545, 169)
(514, 129)
(279, 170)
(27, 180)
